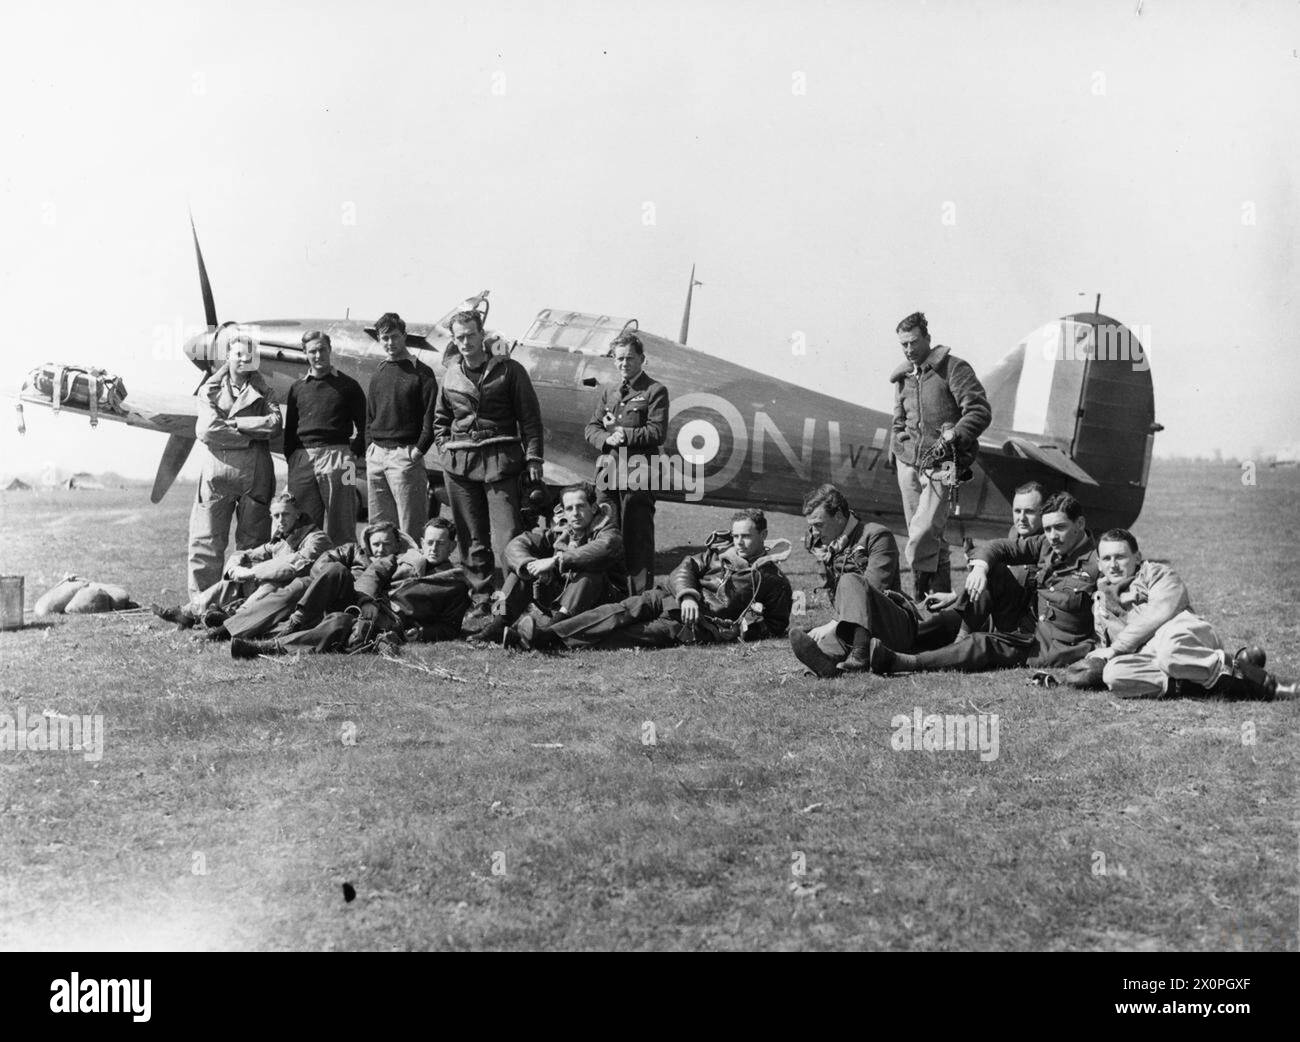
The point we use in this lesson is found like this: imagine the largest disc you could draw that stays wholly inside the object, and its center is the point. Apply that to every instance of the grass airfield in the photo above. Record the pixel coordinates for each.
(480, 799)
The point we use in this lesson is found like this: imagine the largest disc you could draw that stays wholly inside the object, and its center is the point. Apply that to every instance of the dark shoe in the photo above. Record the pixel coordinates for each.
(214, 617)
(218, 632)
(885, 660)
(513, 640)
(1246, 682)
(492, 633)
(241, 648)
(1250, 656)
(806, 651)
(534, 636)
(1087, 674)
(180, 615)
(859, 661)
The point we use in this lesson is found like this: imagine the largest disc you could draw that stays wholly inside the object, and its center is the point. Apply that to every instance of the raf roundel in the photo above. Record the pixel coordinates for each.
(712, 435)
(698, 442)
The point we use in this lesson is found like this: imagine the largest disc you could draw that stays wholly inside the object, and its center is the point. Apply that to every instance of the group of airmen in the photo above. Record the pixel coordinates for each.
(1049, 596)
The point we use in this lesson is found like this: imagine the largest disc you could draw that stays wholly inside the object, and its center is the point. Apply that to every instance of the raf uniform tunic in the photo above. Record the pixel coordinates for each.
(640, 407)
(860, 570)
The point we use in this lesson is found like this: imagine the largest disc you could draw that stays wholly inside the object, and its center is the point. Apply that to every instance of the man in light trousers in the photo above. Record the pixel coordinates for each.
(324, 430)
(399, 429)
(237, 420)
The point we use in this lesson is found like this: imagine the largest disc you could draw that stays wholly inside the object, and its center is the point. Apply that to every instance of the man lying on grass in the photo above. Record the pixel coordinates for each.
(1152, 645)
(731, 591)
(1054, 628)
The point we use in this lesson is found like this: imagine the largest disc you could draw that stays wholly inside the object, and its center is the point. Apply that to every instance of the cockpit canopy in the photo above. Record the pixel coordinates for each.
(575, 332)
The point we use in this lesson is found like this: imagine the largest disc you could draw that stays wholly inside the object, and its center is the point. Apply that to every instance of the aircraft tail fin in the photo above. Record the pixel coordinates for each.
(1076, 396)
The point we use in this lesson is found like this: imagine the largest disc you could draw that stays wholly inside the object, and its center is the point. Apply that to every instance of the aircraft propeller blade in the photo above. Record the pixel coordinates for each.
(175, 453)
(209, 305)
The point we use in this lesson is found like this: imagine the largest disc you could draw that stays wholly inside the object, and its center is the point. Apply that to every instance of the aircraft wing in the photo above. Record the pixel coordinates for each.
(171, 414)
(166, 413)
(1047, 453)
(557, 474)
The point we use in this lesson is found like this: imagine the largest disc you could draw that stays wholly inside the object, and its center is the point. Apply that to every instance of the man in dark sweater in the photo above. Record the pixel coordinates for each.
(324, 430)
(399, 426)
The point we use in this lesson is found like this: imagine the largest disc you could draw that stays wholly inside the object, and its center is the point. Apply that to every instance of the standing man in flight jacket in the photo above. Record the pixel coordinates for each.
(936, 396)
(488, 429)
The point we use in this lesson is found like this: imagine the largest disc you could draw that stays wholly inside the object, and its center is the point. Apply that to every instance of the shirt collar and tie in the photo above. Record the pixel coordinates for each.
(628, 386)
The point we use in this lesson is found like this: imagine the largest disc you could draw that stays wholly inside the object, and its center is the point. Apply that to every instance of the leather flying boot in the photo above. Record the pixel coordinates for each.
(180, 615)
(885, 660)
(1245, 682)
(1253, 655)
(806, 651)
(491, 633)
(242, 648)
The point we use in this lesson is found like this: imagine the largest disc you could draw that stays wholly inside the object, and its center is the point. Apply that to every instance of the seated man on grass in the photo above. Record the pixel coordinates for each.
(394, 598)
(252, 575)
(1053, 628)
(554, 575)
(332, 583)
(944, 623)
(859, 563)
(432, 595)
(732, 591)
(1153, 645)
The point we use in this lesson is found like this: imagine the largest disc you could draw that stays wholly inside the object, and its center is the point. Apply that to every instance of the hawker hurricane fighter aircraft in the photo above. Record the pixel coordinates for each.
(1072, 407)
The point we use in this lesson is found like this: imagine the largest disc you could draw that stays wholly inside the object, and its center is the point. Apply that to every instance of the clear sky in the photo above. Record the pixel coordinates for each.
(830, 167)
